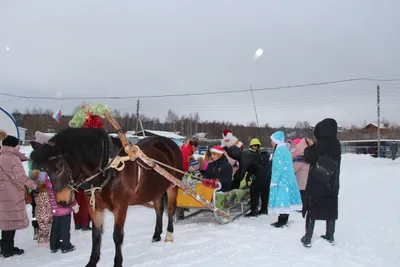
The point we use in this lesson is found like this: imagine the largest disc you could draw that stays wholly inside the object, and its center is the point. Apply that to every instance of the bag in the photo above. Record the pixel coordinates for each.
(324, 169)
(28, 198)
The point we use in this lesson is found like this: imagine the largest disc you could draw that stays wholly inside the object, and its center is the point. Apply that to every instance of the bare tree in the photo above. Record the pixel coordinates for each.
(172, 118)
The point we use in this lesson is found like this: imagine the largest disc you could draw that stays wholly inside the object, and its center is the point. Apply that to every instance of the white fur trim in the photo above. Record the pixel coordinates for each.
(228, 141)
(285, 210)
(277, 141)
(228, 136)
(213, 150)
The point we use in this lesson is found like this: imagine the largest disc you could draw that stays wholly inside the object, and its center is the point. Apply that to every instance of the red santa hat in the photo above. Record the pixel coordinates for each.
(217, 150)
(227, 132)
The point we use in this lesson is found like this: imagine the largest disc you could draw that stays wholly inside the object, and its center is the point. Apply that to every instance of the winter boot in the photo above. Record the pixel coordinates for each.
(306, 239)
(71, 248)
(263, 211)
(35, 237)
(253, 213)
(282, 221)
(330, 231)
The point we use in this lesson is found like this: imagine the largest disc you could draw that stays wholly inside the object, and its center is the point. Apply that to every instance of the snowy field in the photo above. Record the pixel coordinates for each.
(367, 232)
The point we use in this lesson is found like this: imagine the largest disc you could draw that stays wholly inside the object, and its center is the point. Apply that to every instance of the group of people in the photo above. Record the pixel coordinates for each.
(50, 221)
(305, 180)
(299, 177)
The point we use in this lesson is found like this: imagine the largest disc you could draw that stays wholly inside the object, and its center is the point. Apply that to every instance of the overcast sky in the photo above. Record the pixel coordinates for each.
(118, 48)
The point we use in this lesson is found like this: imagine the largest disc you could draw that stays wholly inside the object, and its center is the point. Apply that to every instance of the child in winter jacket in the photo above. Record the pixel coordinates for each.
(61, 225)
(42, 209)
(301, 168)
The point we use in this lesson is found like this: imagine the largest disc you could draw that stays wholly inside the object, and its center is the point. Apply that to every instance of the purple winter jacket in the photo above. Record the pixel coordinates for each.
(57, 210)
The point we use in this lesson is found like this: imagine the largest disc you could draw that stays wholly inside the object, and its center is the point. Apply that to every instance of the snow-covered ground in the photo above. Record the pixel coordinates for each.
(367, 232)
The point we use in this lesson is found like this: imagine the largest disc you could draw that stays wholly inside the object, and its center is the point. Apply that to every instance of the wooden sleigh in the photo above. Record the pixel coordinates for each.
(234, 203)
(188, 197)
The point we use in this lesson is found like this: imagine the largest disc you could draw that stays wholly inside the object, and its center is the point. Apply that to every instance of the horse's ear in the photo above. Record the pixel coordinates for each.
(35, 145)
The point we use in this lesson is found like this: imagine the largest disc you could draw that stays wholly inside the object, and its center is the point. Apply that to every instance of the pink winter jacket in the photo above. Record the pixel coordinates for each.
(301, 167)
(13, 214)
(57, 210)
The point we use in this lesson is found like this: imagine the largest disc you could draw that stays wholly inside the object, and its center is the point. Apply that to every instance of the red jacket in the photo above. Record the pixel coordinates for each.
(187, 151)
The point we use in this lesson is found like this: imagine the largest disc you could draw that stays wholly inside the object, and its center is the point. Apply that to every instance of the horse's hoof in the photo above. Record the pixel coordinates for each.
(156, 239)
(169, 237)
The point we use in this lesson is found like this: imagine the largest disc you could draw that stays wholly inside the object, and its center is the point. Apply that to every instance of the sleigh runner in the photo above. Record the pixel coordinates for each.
(233, 203)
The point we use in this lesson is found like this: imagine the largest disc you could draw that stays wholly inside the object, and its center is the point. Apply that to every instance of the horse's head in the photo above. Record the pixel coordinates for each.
(70, 157)
(48, 158)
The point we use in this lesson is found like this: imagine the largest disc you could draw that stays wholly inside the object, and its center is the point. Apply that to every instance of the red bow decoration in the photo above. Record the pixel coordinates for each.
(93, 121)
(211, 183)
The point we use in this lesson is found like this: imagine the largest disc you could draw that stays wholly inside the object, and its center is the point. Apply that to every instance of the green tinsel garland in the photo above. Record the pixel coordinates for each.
(80, 117)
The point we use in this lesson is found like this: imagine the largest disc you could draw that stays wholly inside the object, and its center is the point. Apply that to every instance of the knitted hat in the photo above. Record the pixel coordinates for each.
(296, 141)
(278, 137)
(195, 164)
(8, 140)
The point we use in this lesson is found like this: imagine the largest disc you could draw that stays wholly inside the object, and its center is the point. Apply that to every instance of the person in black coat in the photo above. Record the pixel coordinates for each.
(253, 162)
(321, 199)
(220, 169)
(259, 167)
(394, 148)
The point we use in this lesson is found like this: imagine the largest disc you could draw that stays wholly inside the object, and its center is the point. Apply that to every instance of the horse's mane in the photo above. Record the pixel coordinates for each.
(82, 145)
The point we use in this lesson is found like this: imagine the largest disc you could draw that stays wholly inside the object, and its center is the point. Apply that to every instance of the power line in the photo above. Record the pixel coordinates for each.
(199, 94)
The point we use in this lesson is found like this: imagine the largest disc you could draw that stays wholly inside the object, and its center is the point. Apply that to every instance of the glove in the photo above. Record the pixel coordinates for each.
(35, 223)
(75, 208)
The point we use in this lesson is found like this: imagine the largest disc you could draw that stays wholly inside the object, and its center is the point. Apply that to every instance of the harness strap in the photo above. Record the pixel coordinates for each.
(92, 201)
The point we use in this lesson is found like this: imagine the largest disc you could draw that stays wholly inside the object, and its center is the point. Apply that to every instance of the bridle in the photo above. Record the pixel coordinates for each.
(100, 170)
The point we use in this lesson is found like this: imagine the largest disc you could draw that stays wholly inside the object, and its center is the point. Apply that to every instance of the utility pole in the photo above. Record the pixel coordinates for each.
(254, 105)
(137, 115)
(378, 103)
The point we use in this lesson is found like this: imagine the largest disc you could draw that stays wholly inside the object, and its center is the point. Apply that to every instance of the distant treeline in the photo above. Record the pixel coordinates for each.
(187, 125)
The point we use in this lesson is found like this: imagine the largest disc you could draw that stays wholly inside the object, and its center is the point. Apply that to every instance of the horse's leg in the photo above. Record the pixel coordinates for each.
(172, 193)
(97, 218)
(118, 235)
(159, 208)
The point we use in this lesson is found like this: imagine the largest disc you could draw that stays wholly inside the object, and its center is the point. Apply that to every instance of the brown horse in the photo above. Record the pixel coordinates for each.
(76, 154)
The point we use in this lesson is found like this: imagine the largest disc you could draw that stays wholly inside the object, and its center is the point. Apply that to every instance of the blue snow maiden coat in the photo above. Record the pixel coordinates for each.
(284, 194)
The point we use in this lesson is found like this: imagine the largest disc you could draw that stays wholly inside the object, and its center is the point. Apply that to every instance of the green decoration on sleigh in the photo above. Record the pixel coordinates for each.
(90, 110)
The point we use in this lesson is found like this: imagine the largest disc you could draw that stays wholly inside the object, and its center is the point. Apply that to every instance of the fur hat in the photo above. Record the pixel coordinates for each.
(8, 140)
(42, 138)
(3, 135)
(278, 137)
